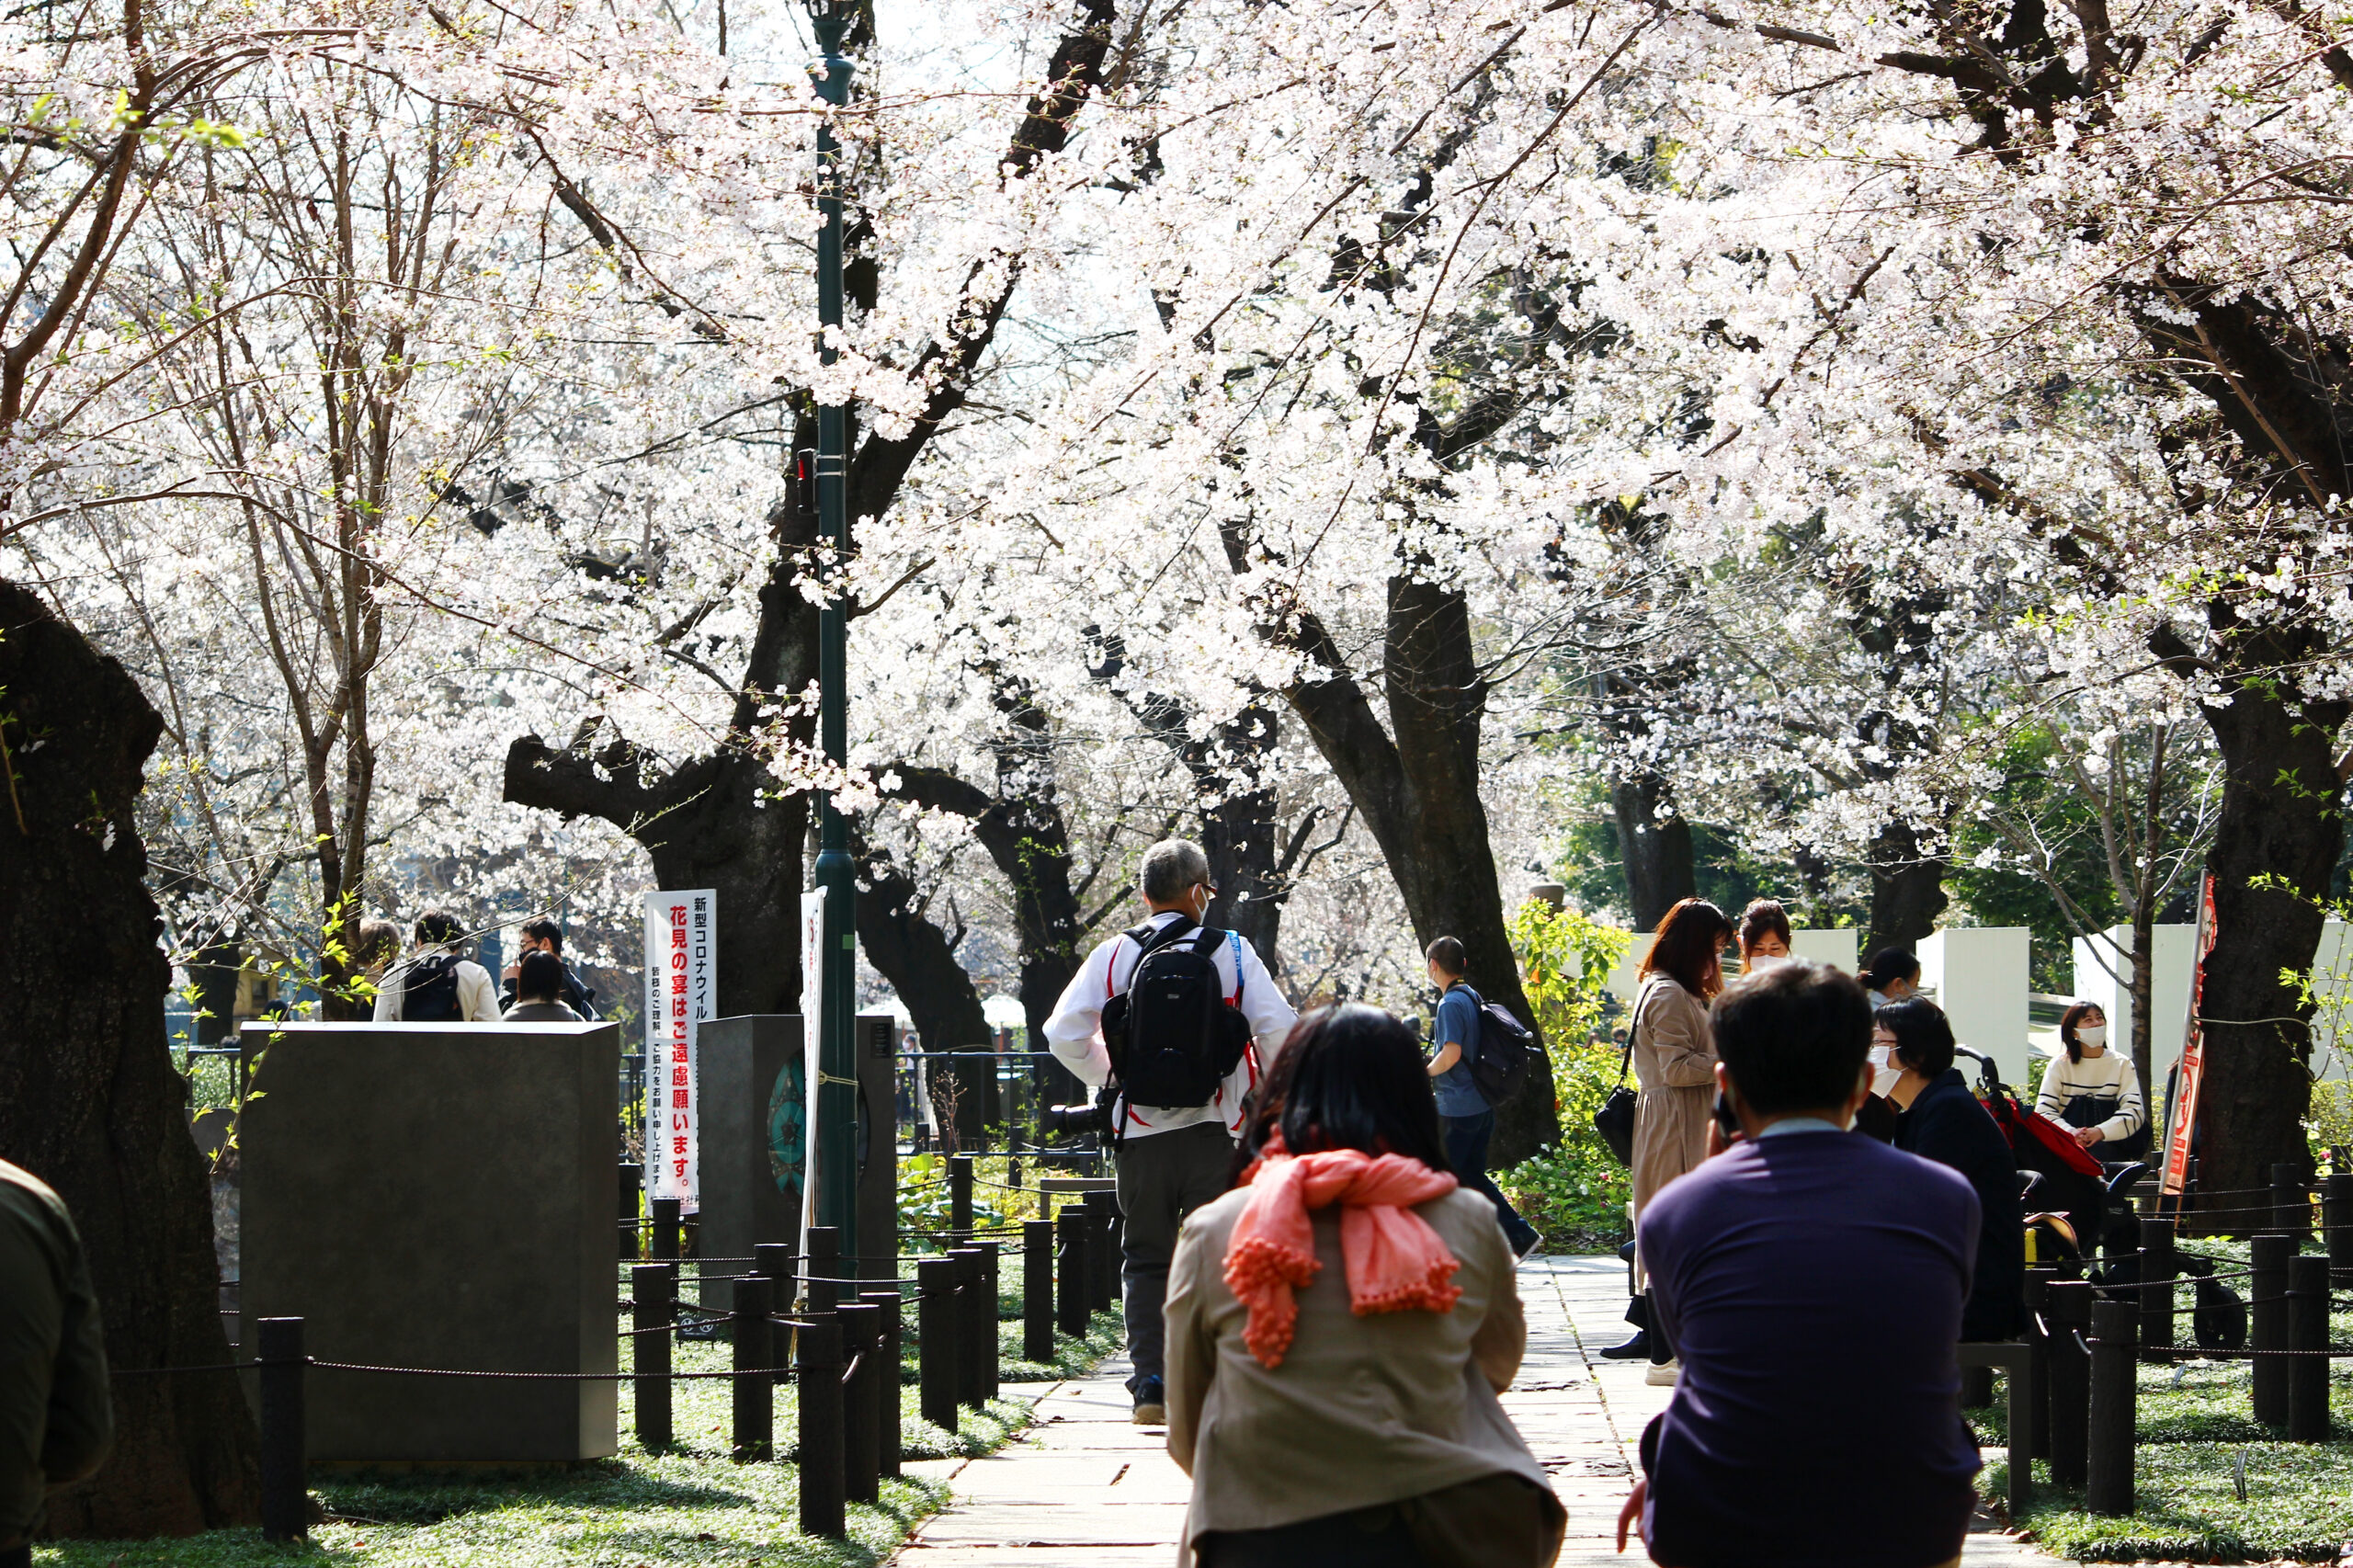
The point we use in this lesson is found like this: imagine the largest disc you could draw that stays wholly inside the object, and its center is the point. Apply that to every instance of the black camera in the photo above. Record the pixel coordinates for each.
(1073, 1120)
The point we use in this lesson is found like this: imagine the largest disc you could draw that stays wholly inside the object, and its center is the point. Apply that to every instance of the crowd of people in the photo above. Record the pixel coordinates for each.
(437, 984)
(1320, 1272)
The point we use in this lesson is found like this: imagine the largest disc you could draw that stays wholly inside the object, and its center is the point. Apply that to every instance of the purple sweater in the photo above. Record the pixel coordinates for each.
(1812, 1285)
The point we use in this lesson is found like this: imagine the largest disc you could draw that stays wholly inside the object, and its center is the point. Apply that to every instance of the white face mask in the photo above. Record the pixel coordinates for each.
(2092, 1034)
(1884, 1072)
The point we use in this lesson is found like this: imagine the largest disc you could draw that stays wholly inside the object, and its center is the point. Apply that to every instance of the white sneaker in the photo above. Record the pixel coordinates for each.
(1663, 1374)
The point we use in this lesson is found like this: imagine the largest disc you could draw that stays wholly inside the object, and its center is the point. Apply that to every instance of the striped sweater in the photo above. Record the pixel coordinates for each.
(2109, 1075)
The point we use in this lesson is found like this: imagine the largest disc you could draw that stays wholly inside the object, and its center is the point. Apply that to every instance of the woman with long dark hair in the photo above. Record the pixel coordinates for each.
(1339, 1326)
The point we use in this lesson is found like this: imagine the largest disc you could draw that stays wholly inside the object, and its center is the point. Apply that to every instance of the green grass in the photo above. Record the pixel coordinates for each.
(689, 1504)
(2196, 1429)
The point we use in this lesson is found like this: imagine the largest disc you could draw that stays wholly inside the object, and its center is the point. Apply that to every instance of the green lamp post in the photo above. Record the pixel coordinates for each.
(834, 1102)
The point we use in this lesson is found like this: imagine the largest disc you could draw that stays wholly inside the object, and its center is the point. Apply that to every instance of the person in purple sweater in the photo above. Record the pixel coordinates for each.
(1812, 1283)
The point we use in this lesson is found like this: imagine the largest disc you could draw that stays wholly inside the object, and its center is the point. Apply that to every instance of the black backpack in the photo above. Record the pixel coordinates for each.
(1172, 1034)
(429, 992)
(1506, 1054)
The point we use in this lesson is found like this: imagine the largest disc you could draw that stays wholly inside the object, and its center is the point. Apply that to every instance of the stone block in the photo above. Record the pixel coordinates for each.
(751, 1140)
(1978, 975)
(438, 1196)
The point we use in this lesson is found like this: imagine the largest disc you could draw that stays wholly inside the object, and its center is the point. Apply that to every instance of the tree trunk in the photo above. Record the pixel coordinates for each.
(2145, 966)
(907, 949)
(1419, 795)
(88, 1098)
(1907, 888)
(1660, 869)
(2278, 826)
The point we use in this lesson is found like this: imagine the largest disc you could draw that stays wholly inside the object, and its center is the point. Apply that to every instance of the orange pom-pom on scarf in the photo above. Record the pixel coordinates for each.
(1395, 1262)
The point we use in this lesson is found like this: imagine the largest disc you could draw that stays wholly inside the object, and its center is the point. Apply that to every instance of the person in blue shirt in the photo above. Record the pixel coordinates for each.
(1464, 1115)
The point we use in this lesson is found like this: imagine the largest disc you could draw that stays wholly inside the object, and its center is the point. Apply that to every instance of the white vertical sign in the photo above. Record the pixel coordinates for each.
(813, 1036)
(681, 989)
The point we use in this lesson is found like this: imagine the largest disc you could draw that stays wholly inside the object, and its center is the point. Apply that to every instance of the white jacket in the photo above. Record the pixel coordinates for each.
(477, 995)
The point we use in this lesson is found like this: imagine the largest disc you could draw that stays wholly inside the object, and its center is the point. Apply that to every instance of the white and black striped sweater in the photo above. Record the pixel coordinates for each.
(2109, 1075)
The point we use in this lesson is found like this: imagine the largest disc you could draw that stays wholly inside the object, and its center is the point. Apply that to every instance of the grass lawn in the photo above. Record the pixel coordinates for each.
(2198, 1442)
(687, 1504)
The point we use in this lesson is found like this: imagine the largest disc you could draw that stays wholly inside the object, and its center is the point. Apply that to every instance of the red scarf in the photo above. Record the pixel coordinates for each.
(1395, 1261)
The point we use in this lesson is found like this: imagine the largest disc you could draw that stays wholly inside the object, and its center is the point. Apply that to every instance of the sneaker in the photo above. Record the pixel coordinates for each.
(1151, 1405)
(1663, 1374)
(1635, 1349)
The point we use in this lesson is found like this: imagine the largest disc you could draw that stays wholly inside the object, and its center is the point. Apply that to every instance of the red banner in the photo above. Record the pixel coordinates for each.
(2182, 1125)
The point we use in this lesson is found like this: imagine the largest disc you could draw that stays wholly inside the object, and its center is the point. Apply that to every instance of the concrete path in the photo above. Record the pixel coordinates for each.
(1087, 1489)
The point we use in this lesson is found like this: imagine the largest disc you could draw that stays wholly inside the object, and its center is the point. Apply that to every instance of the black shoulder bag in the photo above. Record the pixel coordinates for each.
(1615, 1119)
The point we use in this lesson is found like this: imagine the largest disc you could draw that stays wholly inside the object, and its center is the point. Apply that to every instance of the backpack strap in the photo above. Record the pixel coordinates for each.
(1148, 939)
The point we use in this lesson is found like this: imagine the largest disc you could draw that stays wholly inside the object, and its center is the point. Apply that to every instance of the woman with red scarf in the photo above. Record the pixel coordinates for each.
(1339, 1326)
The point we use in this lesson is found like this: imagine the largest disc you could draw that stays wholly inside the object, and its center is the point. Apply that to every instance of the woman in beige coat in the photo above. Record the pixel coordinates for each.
(1339, 1328)
(1674, 1057)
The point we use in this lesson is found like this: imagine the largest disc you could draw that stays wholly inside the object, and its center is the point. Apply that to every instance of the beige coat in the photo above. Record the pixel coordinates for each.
(1674, 1064)
(1363, 1411)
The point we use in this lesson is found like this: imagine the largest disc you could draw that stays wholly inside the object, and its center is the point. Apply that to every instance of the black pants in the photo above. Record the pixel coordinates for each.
(21, 1557)
(1466, 1150)
(1364, 1538)
(1161, 1180)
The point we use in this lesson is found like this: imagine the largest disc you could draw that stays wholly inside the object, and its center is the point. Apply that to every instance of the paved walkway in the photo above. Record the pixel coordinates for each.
(1087, 1489)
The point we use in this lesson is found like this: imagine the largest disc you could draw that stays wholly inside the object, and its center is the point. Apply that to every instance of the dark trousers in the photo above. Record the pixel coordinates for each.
(1364, 1538)
(1467, 1137)
(1161, 1180)
(19, 1557)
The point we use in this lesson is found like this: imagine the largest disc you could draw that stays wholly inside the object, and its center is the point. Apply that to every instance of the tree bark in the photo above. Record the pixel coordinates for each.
(910, 950)
(2275, 844)
(1660, 868)
(88, 1098)
(1907, 888)
(1419, 796)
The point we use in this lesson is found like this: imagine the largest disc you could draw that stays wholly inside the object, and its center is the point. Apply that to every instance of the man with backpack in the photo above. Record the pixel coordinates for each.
(434, 984)
(1465, 1113)
(1187, 1018)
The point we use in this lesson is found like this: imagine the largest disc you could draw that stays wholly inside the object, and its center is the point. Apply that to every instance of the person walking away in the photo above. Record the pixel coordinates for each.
(436, 984)
(539, 984)
(1813, 1284)
(1891, 976)
(1194, 1036)
(1763, 935)
(56, 1414)
(547, 937)
(1675, 1063)
(1464, 1115)
(2094, 1089)
(1943, 1122)
(1339, 1326)
(379, 944)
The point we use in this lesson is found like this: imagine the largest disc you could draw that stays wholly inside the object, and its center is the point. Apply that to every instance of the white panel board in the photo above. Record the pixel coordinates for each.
(1978, 974)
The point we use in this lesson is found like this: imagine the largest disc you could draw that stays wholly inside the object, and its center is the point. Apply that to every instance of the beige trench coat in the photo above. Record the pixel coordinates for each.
(1675, 1065)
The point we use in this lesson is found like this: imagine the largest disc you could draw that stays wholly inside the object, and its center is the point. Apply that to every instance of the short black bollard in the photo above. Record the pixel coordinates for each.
(285, 1498)
(887, 1408)
(937, 1329)
(2292, 1210)
(2267, 1310)
(2108, 1482)
(2158, 1267)
(755, 1411)
(665, 1230)
(972, 1319)
(2069, 1310)
(824, 1266)
(2336, 1220)
(991, 1342)
(862, 1445)
(632, 1184)
(960, 1195)
(653, 1295)
(2308, 1337)
(2038, 1303)
(1072, 1278)
(819, 1370)
(780, 1266)
(1038, 1290)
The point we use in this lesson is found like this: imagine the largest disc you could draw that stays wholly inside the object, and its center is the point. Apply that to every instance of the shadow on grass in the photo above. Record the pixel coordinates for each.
(426, 1498)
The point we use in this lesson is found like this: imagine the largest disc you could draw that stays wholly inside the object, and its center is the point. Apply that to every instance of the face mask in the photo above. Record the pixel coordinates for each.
(2092, 1034)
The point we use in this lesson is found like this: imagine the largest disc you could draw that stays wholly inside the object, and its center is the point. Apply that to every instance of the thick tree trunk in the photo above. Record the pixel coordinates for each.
(2275, 842)
(88, 1098)
(1907, 890)
(1660, 870)
(1419, 794)
(907, 949)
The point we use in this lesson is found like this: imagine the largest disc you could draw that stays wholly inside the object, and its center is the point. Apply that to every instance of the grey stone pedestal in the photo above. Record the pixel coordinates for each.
(438, 1196)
